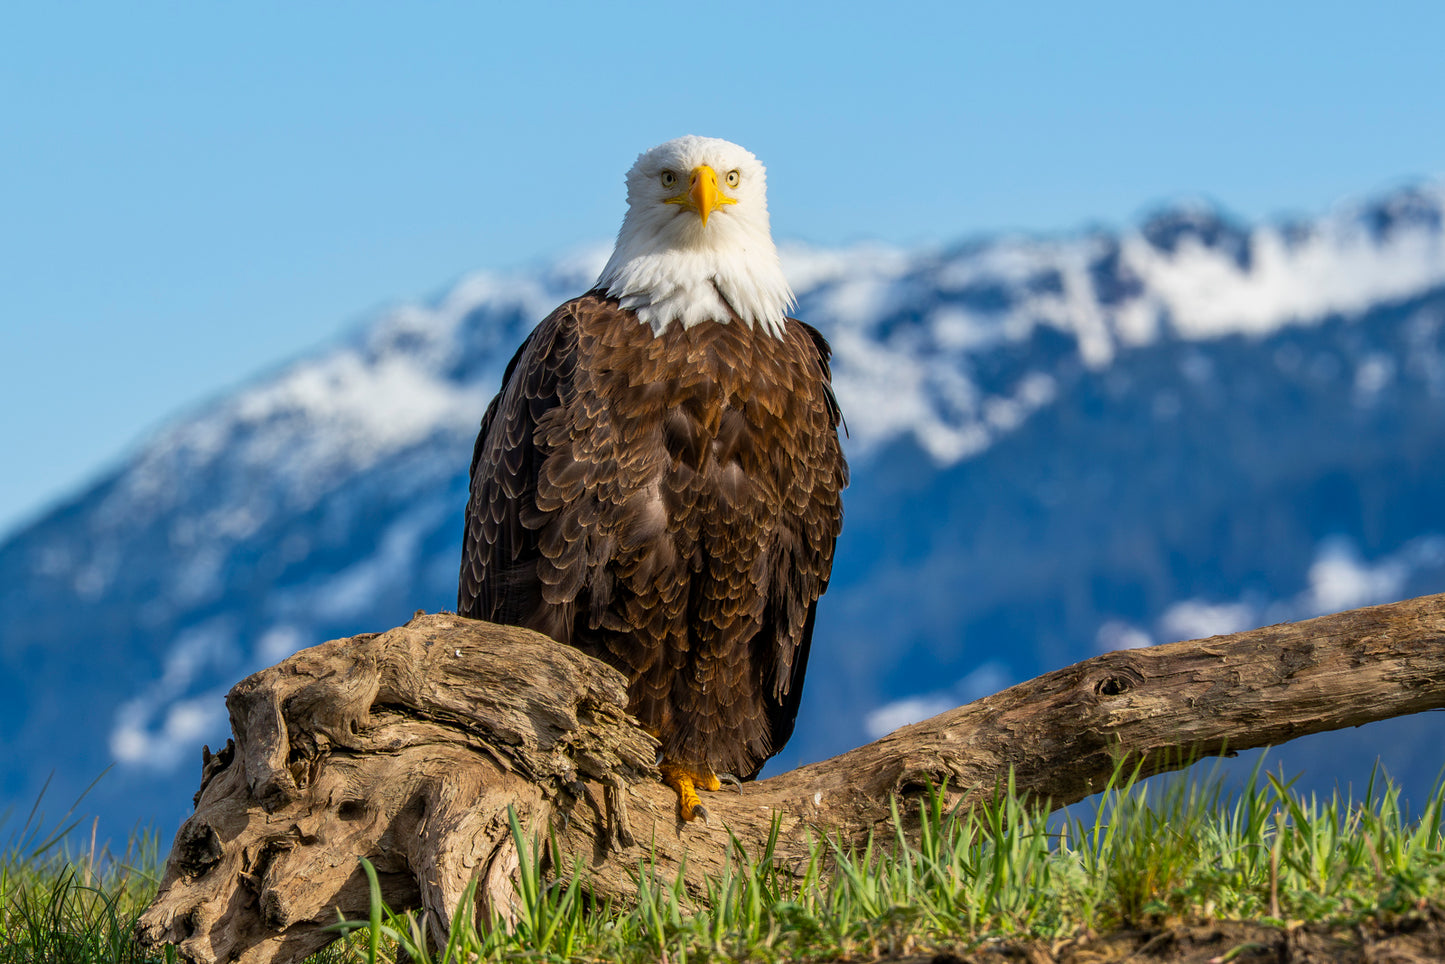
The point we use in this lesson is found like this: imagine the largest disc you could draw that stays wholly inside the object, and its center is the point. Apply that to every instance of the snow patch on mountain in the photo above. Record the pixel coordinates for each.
(389, 387)
(363, 409)
(909, 332)
(983, 681)
(157, 726)
(1345, 265)
(1198, 618)
(397, 551)
(1338, 579)
(1118, 634)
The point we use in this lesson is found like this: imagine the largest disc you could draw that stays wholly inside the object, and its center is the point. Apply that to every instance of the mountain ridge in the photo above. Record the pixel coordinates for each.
(1054, 440)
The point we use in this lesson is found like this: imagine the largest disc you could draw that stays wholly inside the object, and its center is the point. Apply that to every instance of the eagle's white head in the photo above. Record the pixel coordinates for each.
(696, 242)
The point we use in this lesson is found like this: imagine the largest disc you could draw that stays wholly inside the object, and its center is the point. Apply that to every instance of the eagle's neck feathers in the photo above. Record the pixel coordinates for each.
(692, 287)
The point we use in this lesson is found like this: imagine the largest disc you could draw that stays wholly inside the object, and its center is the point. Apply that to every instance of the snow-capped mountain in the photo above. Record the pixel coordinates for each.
(1059, 446)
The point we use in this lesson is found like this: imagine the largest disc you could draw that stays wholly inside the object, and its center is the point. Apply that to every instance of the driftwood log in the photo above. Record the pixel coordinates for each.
(409, 747)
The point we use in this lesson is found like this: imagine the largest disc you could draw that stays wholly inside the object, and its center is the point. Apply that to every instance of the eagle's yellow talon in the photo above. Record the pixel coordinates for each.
(686, 782)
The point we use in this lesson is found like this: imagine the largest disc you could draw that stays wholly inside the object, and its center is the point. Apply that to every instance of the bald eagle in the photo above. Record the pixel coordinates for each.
(658, 481)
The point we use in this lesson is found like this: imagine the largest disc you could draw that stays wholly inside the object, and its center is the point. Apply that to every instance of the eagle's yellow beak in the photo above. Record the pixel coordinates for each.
(702, 194)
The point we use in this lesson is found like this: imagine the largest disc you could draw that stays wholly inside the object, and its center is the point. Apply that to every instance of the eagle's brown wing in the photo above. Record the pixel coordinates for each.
(498, 580)
(802, 573)
(668, 504)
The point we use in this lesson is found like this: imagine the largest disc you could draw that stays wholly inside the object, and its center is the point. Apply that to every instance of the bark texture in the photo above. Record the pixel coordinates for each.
(409, 747)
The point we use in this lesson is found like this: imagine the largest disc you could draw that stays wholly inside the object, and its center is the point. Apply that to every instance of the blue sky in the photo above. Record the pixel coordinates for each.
(192, 193)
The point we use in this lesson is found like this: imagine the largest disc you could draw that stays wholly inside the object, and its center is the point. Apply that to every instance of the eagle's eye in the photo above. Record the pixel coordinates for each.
(669, 178)
(733, 178)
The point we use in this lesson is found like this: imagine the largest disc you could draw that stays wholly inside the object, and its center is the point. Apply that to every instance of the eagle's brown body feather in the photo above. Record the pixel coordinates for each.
(670, 505)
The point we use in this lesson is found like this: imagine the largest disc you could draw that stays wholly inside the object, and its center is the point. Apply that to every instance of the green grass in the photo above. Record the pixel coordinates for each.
(62, 905)
(1147, 855)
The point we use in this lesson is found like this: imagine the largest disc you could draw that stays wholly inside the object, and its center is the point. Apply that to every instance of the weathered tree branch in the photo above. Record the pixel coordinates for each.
(408, 748)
